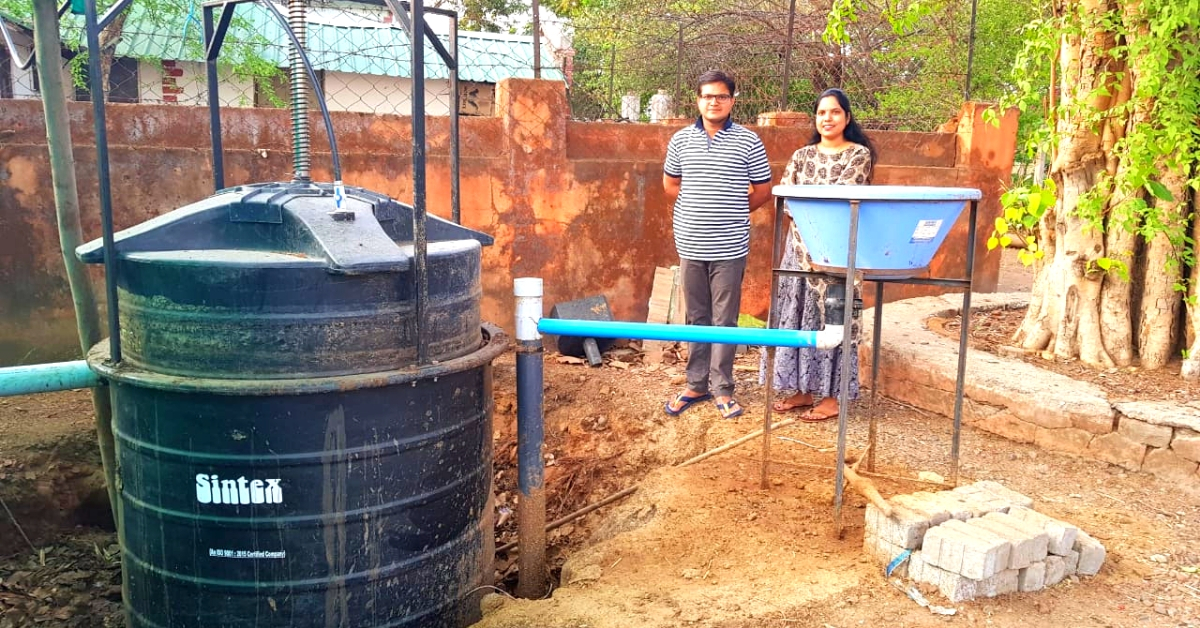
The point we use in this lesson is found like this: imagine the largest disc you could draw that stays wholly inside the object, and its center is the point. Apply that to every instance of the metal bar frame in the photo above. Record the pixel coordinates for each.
(966, 283)
(93, 24)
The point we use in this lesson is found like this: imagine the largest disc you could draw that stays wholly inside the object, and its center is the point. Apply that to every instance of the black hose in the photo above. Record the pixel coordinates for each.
(312, 76)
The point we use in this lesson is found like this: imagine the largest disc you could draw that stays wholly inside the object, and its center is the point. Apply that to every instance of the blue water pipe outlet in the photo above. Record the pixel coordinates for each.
(827, 338)
(43, 378)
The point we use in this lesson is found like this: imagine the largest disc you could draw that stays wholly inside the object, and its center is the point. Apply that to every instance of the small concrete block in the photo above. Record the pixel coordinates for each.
(919, 503)
(916, 566)
(1032, 578)
(959, 588)
(953, 504)
(982, 502)
(985, 554)
(944, 548)
(1002, 583)
(1091, 554)
(1071, 562)
(883, 552)
(1030, 544)
(1056, 570)
(904, 528)
(1061, 534)
(1005, 493)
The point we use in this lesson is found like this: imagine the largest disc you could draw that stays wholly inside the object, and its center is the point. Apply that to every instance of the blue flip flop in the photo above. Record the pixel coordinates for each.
(730, 409)
(687, 403)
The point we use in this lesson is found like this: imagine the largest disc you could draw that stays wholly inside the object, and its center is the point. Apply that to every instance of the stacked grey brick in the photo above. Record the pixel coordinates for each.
(979, 540)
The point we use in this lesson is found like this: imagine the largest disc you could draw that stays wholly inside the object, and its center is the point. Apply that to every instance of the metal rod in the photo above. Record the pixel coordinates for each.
(831, 336)
(765, 467)
(43, 378)
(963, 335)
(420, 242)
(400, 10)
(455, 103)
(612, 68)
(96, 83)
(876, 338)
(531, 507)
(772, 323)
(844, 393)
(678, 70)
(970, 51)
(787, 57)
(917, 281)
(112, 13)
(214, 36)
(537, 39)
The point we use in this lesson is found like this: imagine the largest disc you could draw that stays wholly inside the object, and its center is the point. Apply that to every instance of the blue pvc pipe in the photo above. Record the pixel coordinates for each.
(680, 333)
(42, 378)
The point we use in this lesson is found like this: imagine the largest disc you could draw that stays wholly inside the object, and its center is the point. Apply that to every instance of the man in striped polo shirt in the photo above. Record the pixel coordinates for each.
(717, 173)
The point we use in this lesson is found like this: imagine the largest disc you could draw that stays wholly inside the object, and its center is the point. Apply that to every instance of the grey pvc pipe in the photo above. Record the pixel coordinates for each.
(531, 508)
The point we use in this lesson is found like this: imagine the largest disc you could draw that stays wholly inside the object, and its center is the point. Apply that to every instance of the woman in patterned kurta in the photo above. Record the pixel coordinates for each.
(839, 153)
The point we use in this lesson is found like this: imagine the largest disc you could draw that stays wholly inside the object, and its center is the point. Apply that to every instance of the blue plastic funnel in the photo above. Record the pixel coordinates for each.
(899, 227)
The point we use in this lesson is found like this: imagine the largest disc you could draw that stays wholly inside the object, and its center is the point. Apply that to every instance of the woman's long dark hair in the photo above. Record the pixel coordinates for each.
(853, 132)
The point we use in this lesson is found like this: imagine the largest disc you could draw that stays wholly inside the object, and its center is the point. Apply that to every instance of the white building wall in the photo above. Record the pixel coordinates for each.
(23, 80)
(366, 93)
(192, 84)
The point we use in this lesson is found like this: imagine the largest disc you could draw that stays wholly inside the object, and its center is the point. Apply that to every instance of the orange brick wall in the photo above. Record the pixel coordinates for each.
(580, 204)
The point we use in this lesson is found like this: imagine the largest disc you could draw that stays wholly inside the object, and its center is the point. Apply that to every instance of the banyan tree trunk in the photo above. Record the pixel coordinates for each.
(1129, 312)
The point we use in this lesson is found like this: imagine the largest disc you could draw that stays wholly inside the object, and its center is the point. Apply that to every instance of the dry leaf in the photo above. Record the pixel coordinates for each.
(569, 359)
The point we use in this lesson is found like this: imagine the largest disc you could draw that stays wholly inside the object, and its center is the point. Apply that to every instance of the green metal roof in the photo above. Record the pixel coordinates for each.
(340, 44)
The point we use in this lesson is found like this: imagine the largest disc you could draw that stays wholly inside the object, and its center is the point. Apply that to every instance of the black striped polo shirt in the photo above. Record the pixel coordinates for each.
(712, 213)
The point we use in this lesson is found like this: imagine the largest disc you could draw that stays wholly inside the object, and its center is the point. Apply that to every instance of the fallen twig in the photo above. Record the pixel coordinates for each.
(730, 445)
(573, 516)
(810, 446)
(13, 518)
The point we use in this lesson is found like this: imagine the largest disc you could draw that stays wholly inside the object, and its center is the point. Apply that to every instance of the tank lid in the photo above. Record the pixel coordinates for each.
(291, 218)
(877, 192)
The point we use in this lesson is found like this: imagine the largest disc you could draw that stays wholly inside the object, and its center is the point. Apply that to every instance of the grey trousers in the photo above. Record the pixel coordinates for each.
(712, 294)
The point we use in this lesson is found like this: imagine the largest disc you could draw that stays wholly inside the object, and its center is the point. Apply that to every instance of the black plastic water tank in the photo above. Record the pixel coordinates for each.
(352, 491)
(261, 281)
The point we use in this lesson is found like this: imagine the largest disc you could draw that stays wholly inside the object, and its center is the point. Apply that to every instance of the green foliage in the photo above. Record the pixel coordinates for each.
(488, 16)
(239, 55)
(1023, 207)
(922, 46)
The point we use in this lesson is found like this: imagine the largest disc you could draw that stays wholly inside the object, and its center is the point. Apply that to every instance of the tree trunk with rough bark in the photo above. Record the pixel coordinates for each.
(1107, 291)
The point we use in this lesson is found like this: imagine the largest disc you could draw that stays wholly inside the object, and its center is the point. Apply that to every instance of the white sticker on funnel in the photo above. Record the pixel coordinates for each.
(926, 230)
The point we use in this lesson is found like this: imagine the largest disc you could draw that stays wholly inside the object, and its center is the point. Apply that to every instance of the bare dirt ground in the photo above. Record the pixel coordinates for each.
(703, 545)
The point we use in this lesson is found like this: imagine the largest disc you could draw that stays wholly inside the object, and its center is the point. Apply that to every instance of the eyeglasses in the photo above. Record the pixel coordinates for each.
(721, 98)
